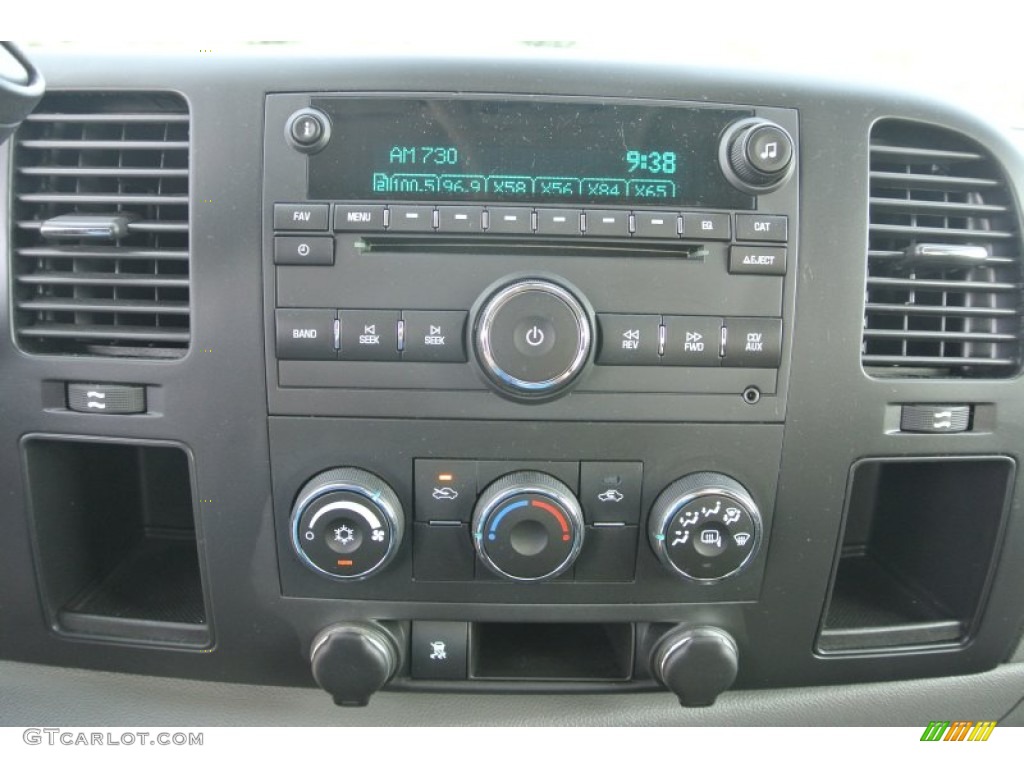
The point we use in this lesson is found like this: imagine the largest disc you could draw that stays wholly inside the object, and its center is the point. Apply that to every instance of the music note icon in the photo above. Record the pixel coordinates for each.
(770, 151)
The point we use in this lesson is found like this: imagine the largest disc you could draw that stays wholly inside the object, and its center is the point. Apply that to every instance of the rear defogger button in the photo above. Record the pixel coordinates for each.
(532, 338)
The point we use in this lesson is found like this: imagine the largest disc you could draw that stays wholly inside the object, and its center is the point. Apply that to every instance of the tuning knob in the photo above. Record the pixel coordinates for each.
(527, 526)
(756, 155)
(696, 664)
(705, 527)
(346, 524)
(353, 661)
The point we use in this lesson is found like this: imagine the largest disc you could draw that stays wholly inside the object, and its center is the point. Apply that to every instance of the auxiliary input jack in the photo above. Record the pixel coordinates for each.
(751, 395)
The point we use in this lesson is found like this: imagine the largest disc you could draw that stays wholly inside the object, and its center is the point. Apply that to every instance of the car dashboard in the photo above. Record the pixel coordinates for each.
(480, 390)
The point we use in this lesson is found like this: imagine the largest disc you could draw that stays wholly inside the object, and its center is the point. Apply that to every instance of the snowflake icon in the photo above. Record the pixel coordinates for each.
(344, 535)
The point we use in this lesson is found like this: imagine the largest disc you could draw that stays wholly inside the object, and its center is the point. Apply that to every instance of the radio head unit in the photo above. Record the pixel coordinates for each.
(473, 245)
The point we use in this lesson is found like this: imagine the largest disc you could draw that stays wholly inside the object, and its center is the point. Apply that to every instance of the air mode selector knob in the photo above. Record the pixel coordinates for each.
(705, 527)
(527, 526)
(757, 155)
(347, 524)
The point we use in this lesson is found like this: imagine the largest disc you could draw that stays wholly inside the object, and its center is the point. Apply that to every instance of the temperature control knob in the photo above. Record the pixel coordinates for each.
(705, 527)
(756, 155)
(527, 526)
(346, 524)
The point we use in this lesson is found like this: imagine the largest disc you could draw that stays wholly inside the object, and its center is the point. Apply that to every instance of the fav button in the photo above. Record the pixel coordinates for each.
(300, 216)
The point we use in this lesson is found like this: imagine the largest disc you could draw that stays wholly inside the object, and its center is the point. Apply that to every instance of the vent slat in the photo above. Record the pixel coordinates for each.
(943, 288)
(929, 182)
(121, 145)
(122, 279)
(103, 156)
(959, 286)
(112, 252)
(133, 226)
(936, 361)
(876, 333)
(922, 154)
(111, 306)
(891, 255)
(106, 332)
(118, 172)
(103, 117)
(88, 199)
(937, 207)
(902, 230)
(873, 307)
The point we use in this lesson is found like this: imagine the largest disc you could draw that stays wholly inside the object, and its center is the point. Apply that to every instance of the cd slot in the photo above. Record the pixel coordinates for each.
(532, 244)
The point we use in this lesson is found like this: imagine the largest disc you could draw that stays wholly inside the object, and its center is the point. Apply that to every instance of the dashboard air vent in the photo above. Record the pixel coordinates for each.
(944, 258)
(100, 235)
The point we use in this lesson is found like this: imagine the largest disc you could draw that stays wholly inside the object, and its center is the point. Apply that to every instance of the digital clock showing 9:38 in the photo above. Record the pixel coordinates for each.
(522, 151)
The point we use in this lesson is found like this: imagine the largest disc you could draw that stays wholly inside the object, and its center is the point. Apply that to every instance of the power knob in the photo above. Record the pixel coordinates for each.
(756, 155)
(532, 338)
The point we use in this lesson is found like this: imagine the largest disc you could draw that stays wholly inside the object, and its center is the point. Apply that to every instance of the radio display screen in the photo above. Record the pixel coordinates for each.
(529, 151)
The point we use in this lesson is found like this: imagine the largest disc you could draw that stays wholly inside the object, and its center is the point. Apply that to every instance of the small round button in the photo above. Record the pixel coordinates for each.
(532, 338)
(308, 130)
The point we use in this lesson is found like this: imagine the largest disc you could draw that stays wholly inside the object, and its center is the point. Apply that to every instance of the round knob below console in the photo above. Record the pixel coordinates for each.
(347, 524)
(532, 338)
(528, 526)
(705, 527)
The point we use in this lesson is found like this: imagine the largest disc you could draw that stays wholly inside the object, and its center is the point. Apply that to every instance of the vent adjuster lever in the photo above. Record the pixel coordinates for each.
(945, 254)
(87, 226)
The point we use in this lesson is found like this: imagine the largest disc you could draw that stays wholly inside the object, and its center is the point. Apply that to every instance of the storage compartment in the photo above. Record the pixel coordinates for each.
(115, 539)
(917, 553)
(564, 652)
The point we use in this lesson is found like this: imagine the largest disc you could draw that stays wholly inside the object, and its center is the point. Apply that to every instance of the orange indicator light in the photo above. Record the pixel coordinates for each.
(344, 562)
(447, 477)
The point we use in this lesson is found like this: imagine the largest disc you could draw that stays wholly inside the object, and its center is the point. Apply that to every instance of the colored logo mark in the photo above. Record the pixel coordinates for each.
(958, 730)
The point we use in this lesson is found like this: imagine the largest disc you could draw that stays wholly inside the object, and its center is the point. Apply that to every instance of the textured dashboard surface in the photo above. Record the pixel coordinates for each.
(34, 695)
